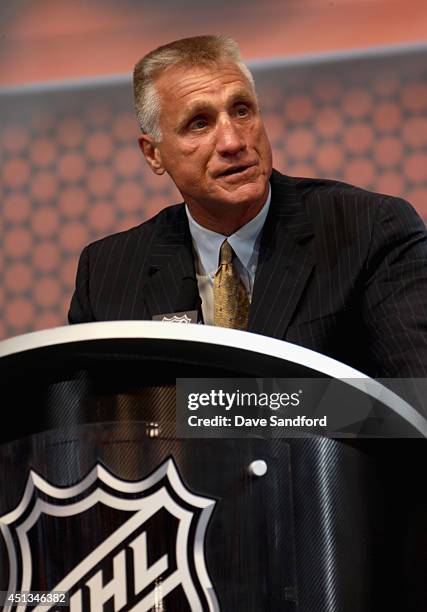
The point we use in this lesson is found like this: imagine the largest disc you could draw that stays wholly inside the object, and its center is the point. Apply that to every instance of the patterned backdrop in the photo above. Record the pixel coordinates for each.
(71, 170)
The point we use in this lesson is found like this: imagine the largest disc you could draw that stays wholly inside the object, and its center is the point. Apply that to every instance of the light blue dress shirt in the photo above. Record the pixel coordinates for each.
(244, 242)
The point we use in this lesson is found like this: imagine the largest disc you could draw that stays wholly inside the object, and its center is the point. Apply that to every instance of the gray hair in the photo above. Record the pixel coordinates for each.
(195, 51)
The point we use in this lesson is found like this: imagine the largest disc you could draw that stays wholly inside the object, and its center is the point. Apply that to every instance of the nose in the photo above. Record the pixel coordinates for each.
(230, 137)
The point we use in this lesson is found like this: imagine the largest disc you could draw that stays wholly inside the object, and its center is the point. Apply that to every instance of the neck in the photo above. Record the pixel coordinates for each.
(225, 221)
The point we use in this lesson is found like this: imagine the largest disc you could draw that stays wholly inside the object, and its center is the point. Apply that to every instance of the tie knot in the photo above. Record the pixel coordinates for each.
(225, 253)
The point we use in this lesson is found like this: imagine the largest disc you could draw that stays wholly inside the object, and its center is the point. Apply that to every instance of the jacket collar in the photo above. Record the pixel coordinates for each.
(284, 265)
(285, 260)
(171, 285)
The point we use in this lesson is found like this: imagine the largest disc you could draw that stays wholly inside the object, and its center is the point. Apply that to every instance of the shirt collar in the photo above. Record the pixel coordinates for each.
(207, 243)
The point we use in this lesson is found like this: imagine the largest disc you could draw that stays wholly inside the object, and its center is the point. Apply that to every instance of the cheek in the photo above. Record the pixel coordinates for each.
(190, 150)
(197, 159)
(259, 135)
(185, 152)
(264, 145)
(178, 159)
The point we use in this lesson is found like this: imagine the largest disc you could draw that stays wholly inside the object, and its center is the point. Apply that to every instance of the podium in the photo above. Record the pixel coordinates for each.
(104, 508)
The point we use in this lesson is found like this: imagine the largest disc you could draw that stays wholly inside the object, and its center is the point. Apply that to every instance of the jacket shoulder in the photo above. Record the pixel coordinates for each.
(144, 231)
(333, 191)
(344, 194)
(324, 197)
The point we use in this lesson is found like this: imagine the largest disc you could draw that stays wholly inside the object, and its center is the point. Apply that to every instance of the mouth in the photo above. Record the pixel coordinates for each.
(237, 170)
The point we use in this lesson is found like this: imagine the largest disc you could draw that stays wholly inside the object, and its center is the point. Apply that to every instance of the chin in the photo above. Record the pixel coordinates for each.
(248, 194)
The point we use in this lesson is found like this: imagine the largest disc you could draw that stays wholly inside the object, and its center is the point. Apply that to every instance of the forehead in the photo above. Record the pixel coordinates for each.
(184, 85)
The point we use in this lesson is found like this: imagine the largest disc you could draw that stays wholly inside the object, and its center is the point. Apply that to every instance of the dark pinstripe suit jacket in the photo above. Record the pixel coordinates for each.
(341, 271)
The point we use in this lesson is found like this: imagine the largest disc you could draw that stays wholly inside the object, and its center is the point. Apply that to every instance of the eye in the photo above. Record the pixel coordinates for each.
(198, 123)
(242, 110)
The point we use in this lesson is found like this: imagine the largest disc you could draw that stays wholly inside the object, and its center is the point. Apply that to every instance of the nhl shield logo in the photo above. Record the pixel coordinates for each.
(134, 546)
(176, 319)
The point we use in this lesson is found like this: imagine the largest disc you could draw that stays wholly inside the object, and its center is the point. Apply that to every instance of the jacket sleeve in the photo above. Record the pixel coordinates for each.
(394, 303)
(80, 308)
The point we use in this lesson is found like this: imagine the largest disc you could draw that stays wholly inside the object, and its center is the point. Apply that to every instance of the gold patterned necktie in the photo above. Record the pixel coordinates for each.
(231, 302)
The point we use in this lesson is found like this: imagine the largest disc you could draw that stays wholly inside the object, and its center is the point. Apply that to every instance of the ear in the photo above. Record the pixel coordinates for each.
(151, 153)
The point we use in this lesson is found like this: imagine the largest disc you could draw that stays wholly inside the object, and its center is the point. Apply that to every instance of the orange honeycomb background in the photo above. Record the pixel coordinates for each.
(71, 170)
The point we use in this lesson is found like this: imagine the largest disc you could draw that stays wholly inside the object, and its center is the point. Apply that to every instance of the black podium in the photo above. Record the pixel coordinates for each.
(103, 505)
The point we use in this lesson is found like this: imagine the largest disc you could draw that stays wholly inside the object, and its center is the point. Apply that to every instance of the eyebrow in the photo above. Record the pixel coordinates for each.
(203, 106)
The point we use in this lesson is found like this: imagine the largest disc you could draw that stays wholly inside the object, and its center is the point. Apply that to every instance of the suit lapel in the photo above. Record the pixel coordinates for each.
(285, 261)
(171, 285)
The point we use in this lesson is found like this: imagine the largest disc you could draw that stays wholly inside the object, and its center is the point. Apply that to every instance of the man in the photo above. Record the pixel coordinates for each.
(319, 263)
